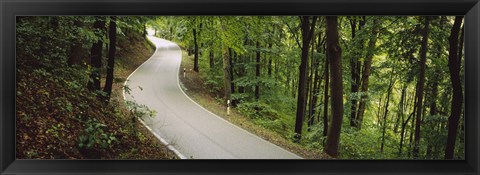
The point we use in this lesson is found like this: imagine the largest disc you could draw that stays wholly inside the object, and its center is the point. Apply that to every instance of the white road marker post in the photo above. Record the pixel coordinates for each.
(228, 107)
(183, 72)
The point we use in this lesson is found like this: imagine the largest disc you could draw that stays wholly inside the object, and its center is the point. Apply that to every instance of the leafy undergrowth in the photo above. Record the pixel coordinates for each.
(194, 86)
(58, 118)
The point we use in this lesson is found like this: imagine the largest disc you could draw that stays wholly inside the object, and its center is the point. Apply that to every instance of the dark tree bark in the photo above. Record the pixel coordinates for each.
(335, 56)
(212, 61)
(195, 58)
(325, 97)
(354, 76)
(454, 62)
(310, 90)
(96, 55)
(314, 94)
(112, 33)
(270, 62)
(355, 65)
(232, 57)
(366, 74)
(76, 52)
(227, 74)
(307, 33)
(257, 72)
(420, 86)
(385, 114)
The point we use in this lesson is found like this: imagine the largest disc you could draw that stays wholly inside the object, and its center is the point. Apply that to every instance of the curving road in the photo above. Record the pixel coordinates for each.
(190, 130)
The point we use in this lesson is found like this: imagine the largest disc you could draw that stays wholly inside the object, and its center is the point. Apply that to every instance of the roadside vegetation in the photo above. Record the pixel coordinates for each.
(350, 87)
(60, 113)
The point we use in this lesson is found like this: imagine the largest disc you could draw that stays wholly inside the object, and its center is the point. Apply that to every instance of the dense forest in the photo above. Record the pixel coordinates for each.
(350, 87)
(69, 84)
(354, 87)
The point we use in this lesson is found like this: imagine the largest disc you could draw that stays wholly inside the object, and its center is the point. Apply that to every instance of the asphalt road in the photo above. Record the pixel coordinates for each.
(189, 129)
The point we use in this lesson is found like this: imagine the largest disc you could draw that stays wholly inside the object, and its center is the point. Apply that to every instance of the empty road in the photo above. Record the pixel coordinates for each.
(189, 129)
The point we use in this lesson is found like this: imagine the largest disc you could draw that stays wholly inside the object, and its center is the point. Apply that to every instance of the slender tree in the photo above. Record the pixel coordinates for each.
(76, 54)
(366, 73)
(307, 34)
(454, 62)
(195, 43)
(420, 85)
(325, 96)
(257, 71)
(112, 34)
(96, 54)
(334, 55)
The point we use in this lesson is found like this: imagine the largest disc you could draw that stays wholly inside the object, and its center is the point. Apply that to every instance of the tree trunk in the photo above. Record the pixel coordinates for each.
(307, 33)
(257, 72)
(421, 80)
(314, 94)
(354, 76)
(212, 61)
(454, 62)
(310, 90)
(366, 74)
(195, 58)
(384, 123)
(232, 57)
(325, 97)
(401, 109)
(335, 56)
(269, 67)
(227, 75)
(96, 55)
(111, 57)
(76, 52)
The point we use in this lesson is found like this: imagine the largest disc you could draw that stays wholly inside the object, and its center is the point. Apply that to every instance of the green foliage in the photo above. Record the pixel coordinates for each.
(257, 110)
(140, 110)
(96, 136)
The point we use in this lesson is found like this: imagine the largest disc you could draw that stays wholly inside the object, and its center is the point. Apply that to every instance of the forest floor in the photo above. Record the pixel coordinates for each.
(193, 86)
(51, 117)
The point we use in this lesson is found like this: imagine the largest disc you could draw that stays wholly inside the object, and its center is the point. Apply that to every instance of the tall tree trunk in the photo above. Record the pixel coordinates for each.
(212, 61)
(269, 68)
(454, 62)
(421, 80)
(195, 58)
(335, 56)
(401, 109)
(76, 53)
(227, 74)
(96, 55)
(366, 74)
(111, 56)
(325, 97)
(385, 114)
(257, 72)
(405, 124)
(310, 86)
(314, 95)
(232, 58)
(307, 33)
(354, 77)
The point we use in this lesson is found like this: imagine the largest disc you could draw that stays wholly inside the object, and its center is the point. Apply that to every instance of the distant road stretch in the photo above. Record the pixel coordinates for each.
(189, 129)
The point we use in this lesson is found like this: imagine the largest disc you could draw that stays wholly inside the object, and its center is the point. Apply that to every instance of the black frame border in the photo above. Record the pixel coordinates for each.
(11, 8)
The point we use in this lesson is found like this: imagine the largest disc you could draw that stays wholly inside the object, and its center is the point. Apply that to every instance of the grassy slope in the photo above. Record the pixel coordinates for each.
(204, 97)
(51, 115)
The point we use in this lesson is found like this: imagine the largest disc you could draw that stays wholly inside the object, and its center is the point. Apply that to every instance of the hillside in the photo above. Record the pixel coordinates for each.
(59, 118)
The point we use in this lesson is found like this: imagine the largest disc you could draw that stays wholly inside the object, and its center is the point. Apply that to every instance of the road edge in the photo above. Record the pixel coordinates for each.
(168, 145)
(221, 118)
